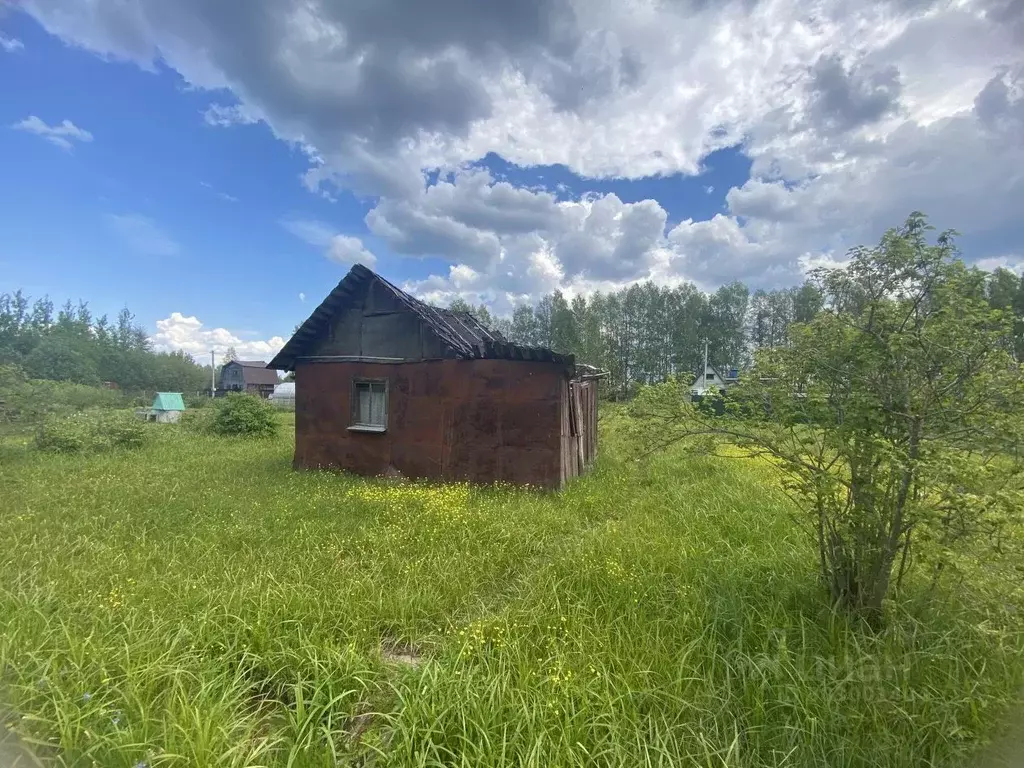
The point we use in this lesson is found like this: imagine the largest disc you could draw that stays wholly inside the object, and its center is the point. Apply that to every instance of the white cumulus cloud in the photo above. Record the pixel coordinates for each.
(852, 114)
(186, 333)
(340, 248)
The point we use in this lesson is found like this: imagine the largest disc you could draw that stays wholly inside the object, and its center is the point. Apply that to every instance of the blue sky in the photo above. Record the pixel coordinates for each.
(152, 156)
(139, 200)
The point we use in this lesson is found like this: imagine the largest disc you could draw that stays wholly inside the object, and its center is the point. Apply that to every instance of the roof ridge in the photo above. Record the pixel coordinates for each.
(459, 331)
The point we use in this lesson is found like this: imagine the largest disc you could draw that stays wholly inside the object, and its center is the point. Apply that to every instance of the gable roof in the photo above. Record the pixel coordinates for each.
(462, 334)
(728, 377)
(255, 371)
(168, 401)
(732, 372)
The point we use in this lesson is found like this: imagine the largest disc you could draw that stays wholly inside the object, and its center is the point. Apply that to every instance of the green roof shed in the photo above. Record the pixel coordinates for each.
(168, 401)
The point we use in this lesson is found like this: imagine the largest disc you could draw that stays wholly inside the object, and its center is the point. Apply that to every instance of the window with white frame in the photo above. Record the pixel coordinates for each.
(369, 405)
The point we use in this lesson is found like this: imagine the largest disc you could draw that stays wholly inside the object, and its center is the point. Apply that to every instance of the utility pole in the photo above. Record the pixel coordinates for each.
(213, 376)
(704, 373)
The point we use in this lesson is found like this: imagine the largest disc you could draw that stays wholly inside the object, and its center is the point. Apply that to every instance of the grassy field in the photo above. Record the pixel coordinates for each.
(199, 603)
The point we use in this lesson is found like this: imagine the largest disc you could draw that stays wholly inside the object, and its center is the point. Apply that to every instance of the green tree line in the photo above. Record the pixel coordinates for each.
(894, 418)
(646, 333)
(642, 334)
(70, 344)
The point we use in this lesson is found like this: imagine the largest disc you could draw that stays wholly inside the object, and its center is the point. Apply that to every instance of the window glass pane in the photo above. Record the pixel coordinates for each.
(377, 407)
(363, 405)
(370, 403)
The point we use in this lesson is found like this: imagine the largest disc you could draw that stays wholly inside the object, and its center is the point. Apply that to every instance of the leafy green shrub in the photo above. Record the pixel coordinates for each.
(198, 401)
(198, 420)
(28, 401)
(90, 432)
(123, 430)
(245, 415)
(64, 433)
(11, 375)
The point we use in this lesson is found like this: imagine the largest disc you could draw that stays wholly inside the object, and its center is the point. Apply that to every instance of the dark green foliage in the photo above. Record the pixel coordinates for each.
(198, 420)
(90, 431)
(646, 333)
(244, 415)
(895, 413)
(74, 346)
(27, 401)
(1005, 292)
(61, 359)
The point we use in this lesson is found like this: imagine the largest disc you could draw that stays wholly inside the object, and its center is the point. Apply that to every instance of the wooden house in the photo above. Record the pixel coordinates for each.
(252, 376)
(714, 380)
(388, 385)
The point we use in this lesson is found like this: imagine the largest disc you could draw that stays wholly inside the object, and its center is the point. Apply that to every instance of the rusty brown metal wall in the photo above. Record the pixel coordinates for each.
(476, 420)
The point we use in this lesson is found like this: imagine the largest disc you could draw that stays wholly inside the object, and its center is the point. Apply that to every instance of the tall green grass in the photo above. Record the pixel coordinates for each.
(196, 602)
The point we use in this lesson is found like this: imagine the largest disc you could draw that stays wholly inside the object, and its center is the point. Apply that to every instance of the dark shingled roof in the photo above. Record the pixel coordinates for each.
(464, 335)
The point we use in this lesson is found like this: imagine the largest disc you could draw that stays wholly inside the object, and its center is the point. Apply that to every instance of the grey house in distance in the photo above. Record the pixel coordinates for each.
(251, 376)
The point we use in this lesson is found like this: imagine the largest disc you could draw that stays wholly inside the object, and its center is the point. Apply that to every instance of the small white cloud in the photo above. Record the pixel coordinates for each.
(142, 234)
(313, 232)
(186, 333)
(708, 190)
(11, 44)
(221, 195)
(224, 115)
(344, 249)
(827, 260)
(1011, 262)
(61, 135)
(302, 296)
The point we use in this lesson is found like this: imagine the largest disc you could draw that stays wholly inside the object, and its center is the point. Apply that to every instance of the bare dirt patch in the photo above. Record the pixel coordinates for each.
(14, 753)
(400, 652)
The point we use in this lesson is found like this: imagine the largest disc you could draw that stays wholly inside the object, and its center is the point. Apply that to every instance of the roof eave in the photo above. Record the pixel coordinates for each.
(462, 335)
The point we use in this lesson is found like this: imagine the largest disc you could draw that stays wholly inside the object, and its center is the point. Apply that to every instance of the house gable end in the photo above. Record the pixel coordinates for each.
(365, 316)
(374, 323)
(712, 378)
(231, 375)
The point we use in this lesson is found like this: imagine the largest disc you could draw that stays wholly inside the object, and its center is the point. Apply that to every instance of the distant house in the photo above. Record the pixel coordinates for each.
(250, 376)
(388, 385)
(166, 409)
(714, 380)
